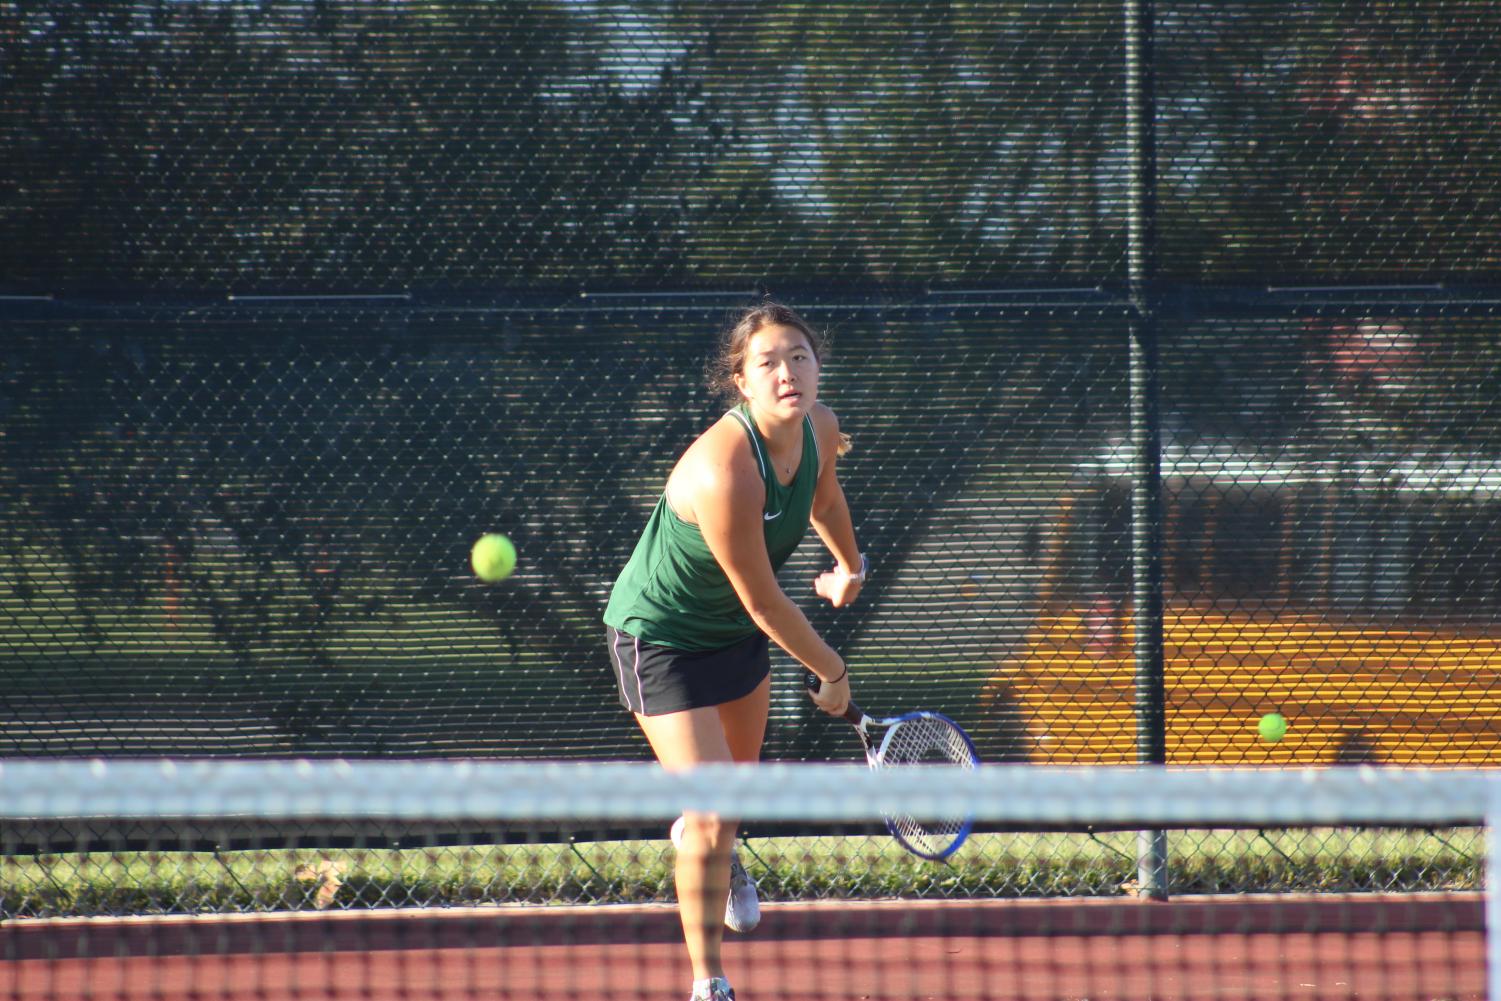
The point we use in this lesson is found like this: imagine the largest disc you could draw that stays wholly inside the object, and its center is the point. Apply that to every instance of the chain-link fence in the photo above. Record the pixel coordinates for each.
(251, 534)
(332, 147)
(578, 867)
(300, 297)
(92, 837)
(247, 529)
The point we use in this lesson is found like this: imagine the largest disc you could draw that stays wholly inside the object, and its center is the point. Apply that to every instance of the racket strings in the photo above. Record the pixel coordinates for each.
(926, 741)
(931, 741)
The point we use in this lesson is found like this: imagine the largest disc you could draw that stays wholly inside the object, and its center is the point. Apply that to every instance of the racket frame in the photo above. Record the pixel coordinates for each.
(862, 722)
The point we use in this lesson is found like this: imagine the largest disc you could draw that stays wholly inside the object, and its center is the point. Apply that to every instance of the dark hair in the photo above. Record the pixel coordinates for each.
(730, 358)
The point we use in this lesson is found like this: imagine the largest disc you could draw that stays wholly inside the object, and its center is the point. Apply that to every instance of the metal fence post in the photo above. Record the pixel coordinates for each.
(1146, 488)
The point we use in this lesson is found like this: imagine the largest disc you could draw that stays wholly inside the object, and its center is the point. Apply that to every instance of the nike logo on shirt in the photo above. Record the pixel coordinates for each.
(768, 517)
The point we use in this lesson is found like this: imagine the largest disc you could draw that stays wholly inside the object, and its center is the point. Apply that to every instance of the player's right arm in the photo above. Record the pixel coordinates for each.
(718, 486)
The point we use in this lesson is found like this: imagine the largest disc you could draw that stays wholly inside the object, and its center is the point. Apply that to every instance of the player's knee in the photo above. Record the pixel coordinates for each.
(711, 833)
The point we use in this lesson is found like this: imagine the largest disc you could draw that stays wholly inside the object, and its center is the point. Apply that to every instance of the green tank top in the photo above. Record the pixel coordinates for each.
(672, 591)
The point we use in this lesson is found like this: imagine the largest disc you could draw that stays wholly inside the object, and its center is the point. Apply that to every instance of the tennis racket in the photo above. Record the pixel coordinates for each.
(916, 738)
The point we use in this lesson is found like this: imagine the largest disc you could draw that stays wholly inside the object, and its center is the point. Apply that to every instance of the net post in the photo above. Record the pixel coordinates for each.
(1493, 890)
(1146, 487)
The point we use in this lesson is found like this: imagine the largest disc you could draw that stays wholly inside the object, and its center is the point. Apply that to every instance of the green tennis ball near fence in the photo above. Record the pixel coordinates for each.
(493, 558)
(1272, 727)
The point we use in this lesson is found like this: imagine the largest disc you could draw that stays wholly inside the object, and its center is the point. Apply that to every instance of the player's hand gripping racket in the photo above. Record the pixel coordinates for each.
(916, 738)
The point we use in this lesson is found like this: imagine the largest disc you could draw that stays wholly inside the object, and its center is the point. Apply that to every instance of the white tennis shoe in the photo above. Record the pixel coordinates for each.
(742, 909)
(712, 989)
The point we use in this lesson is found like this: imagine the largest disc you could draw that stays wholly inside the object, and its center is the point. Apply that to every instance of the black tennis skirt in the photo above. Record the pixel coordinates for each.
(656, 680)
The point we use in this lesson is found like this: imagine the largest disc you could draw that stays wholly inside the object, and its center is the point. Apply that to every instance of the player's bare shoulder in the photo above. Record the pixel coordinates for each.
(826, 429)
(715, 468)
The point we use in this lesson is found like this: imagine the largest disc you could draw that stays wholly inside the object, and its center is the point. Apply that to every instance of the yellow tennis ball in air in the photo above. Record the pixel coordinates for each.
(1272, 727)
(493, 558)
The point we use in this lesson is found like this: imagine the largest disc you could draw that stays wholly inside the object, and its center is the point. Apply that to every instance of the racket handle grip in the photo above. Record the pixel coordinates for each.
(852, 712)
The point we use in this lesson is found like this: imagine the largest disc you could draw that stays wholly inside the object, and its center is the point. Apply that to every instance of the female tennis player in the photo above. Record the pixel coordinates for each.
(692, 612)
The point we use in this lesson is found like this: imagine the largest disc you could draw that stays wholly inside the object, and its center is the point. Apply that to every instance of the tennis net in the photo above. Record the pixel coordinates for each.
(440, 879)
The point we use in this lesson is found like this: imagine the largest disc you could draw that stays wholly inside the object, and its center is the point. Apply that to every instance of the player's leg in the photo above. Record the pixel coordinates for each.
(744, 722)
(681, 740)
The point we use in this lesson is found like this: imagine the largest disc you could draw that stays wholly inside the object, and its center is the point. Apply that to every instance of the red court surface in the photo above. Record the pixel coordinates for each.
(1416, 947)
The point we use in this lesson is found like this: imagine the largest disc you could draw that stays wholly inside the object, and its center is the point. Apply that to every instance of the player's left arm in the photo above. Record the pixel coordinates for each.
(831, 515)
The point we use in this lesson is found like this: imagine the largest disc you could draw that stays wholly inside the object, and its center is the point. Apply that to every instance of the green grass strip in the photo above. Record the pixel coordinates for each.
(804, 868)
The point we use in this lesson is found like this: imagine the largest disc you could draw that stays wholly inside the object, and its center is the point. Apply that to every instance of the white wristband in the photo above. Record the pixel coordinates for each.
(858, 578)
